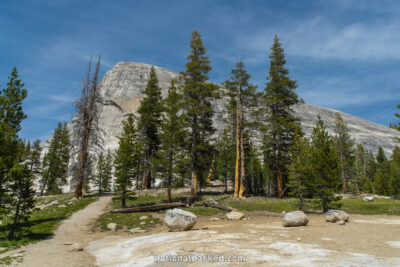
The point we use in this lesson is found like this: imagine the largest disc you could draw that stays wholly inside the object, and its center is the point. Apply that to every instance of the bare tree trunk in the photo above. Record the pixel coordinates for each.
(194, 159)
(88, 114)
(279, 177)
(342, 167)
(236, 192)
(242, 163)
(210, 171)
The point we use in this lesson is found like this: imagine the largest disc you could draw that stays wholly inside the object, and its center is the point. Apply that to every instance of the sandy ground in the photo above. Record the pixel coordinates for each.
(367, 240)
(364, 241)
(56, 250)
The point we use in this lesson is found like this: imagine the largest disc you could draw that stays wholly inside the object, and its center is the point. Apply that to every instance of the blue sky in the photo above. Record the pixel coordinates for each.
(344, 54)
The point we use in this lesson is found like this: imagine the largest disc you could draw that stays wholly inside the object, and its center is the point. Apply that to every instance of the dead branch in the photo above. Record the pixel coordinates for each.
(151, 207)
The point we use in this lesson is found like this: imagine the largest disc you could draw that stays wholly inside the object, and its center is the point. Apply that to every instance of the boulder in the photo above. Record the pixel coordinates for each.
(336, 215)
(144, 217)
(178, 219)
(112, 226)
(368, 199)
(62, 206)
(234, 215)
(76, 247)
(295, 218)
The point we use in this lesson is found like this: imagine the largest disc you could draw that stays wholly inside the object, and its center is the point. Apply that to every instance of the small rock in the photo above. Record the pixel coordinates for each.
(62, 206)
(368, 199)
(295, 218)
(204, 228)
(336, 215)
(178, 219)
(246, 219)
(142, 223)
(340, 222)
(299, 238)
(151, 221)
(76, 247)
(234, 215)
(143, 218)
(55, 202)
(112, 226)
(137, 231)
(283, 212)
(214, 219)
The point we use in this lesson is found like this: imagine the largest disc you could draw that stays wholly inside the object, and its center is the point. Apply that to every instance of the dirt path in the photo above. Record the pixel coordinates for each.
(56, 250)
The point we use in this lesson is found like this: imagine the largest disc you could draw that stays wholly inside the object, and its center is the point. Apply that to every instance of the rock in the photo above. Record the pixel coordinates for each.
(142, 223)
(340, 222)
(54, 202)
(112, 226)
(336, 215)
(234, 215)
(178, 219)
(214, 219)
(137, 231)
(62, 206)
(76, 247)
(368, 199)
(295, 218)
(151, 221)
(143, 218)
(121, 92)
(283, 212)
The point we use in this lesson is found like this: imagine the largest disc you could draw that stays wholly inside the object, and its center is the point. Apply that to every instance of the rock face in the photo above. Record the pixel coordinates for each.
(336, 215)
(178, 219)
(234, 215)
(121, 88)
(295, 218)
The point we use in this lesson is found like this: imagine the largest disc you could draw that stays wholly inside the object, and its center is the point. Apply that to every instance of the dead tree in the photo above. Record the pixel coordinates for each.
(86, 127)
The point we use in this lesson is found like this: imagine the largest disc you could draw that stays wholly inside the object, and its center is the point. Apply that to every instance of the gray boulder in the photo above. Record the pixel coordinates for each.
(76, 247)
(368, 199)
(178, 219)
(295, 218)
(112, 226)
(336, 215)
(234, 215)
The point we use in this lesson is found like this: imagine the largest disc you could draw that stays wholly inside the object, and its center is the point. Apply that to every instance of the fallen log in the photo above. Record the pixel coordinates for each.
(215, 204)
(151, 207)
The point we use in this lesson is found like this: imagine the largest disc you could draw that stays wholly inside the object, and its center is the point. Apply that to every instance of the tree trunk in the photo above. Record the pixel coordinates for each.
(147, 179)
(123, 200)
(210, 172)
(342, 168)
(242, 163)
(236, 192)
(194, 158)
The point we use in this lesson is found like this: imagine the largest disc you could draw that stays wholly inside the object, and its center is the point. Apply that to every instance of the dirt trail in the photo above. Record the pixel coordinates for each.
(56, 250)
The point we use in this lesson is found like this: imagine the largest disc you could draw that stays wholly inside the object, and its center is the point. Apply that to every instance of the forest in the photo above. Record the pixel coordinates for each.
(173, 140)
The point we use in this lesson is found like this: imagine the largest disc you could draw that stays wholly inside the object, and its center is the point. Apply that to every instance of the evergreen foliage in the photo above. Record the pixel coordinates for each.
(382, 178)
(35, 164)
(149, 124)
(197, 94)
(172, 154)
(127, 159)
(280, 96)
(344, 147)
(104, 172)
(299, 168)
(225, 158)
(325, 166)
(395, 171)
(361, 181)
(56, 161)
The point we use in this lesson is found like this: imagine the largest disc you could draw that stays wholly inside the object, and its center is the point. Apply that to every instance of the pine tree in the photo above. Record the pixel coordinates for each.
(225, 157)
(172, 137)
(127, 159)
(324, 165)
(104, 172)
(382, 182)
(11, 116)
(56, 161)
(34, 158)
(242, 95)
(299, 168)
(344, 148)
(361, 181)
(370, 166)
(280, 96)
(395, 171)
(149, 124)
(21, 196)
(198, 93)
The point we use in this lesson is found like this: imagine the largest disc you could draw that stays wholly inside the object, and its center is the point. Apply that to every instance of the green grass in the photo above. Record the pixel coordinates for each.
(379, 206)
(198, 210)
(42, 223)
(124, 220)
(262, 204)
(143, 200)
(10, 259)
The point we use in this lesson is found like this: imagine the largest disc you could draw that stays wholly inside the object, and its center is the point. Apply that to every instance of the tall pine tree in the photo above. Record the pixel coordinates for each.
(198, 93)
(280, 96)
(103, 177)
(127, 159)
(345, 150)
(149, 124)
(242, 98)
(324, 165)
